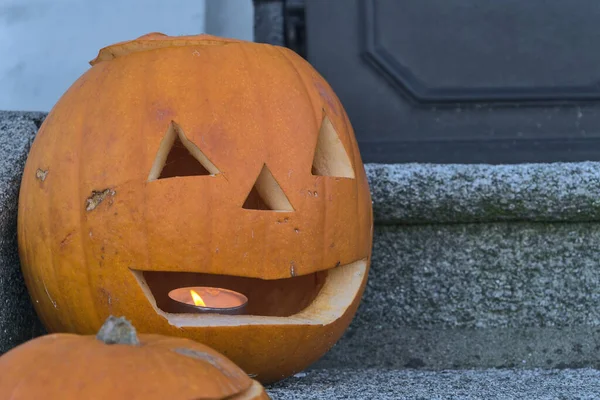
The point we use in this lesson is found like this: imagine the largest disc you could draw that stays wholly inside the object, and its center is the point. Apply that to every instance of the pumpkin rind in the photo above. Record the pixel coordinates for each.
(68, 366)
(244, 105)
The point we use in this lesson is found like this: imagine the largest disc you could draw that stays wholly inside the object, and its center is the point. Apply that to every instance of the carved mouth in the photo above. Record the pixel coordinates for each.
(315, 299)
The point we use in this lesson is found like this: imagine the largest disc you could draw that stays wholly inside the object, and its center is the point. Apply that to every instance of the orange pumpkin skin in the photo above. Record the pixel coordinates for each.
(89, 217)
(67, 366)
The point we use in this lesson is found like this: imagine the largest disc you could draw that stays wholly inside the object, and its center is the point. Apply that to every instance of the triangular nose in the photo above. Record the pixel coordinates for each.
(266, 194)
(178, 156)
(330, 157)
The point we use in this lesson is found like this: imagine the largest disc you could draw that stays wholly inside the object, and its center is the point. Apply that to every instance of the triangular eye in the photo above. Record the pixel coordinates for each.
(177, 156)
(266, 194)
(331, 158)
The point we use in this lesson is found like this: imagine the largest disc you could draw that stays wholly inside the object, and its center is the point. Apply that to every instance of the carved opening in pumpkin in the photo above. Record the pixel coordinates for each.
(314, 299)
(279, 297)
(178, 156)
(330, 157)
(266, 194)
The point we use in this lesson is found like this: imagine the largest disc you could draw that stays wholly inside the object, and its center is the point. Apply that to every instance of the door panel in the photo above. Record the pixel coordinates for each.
(463, 80)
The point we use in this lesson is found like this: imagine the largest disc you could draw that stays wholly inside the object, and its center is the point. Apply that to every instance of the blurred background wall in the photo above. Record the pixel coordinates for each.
(46, 44)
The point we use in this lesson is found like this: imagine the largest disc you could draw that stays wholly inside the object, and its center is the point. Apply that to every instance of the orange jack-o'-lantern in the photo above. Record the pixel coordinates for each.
(195, 162)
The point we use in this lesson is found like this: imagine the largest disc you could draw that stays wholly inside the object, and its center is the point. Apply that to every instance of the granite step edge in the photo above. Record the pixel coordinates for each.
(463, 193)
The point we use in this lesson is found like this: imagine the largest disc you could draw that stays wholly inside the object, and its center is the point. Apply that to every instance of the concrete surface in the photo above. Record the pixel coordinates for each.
(441, 348)
(478, 295)
(427, 193)
(492, 384)
(516, 274)
(17, 317)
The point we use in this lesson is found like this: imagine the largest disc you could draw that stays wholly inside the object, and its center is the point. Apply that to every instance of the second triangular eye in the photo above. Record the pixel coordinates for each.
(330, 157)
(266, 194)
(178, 156)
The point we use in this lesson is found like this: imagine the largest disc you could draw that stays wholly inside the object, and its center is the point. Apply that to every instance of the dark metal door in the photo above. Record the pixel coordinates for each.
(493, 81)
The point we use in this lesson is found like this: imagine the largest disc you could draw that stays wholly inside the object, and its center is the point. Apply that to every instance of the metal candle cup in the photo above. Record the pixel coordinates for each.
(216, 301)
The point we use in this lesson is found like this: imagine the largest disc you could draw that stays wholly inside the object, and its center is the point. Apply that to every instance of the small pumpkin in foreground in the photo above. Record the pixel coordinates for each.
(117, 364)
(178, 162)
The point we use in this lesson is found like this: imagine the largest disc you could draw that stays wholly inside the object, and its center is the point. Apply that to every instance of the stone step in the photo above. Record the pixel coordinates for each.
(473, 265)
(18, 321)
(480, 266)
(440, 348)
(485, 295)
(491, 384)
(434, 194)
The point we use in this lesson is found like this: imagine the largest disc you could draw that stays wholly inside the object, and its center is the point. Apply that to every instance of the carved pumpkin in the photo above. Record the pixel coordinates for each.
(117, 364)
(186, 161)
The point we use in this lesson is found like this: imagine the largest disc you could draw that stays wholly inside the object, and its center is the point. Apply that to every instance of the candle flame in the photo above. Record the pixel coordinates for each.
(197, 299)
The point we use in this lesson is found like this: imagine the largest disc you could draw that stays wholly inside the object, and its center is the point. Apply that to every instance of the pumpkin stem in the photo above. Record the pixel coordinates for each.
(118, 331)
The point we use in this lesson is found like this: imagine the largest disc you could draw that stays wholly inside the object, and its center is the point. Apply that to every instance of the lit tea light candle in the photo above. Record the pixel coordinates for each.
(202, 299)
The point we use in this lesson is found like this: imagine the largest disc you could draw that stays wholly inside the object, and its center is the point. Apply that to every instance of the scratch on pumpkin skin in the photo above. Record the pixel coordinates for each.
(97, 197)
(292, 270)
(50, 297)
(108, 297)
(41, 174)
(65, 241)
